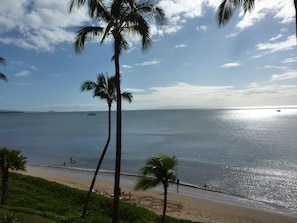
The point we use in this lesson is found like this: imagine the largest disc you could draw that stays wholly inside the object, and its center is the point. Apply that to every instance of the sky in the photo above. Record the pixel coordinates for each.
(192, 63)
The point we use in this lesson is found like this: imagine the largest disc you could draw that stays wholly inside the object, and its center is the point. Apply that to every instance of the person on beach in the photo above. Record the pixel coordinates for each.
(177, 186)
(72, 160)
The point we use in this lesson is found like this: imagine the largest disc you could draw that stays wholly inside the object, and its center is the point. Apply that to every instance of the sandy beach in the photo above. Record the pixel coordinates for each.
(179, 205)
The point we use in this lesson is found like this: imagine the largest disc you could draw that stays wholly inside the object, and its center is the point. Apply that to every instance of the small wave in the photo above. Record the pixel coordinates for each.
(70, 168)
(184, 184)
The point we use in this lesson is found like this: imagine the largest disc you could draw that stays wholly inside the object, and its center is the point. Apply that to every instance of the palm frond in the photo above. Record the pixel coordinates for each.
(12, 159)
(105, 88)
(136, 22)
(123, 45)
(156, 12)
(145, 183)
(102, 81)
(2, 60)
(77, 3)
(248, 5)
(159, 16)
(3, 77)
(127, 96)
(159, 169)
(107, 31)
(138, 25)
(82, 34)
(227, 8)
(98, 10)
(224, 12)
(88, 85)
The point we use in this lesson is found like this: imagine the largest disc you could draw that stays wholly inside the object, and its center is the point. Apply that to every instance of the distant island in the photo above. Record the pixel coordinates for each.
(10, 112)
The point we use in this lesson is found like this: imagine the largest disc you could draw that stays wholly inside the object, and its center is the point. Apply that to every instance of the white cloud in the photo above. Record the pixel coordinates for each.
(185, 8)
(284, 76)
(285, 11)
(133, 90)
(126, 66)
(201, 28)
(180, 46)
(250, 19)
(234, 64)
(290, 60)
(275, 37)
(204, 28)
(183, 95)
(272, 67)
(23, 73)
(282, 11)
(179, 11)
(287, 44)
(39, 25)
(148, 63)
(166, 29)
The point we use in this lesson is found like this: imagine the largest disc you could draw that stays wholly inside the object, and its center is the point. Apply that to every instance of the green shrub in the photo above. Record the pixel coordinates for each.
(9, 218)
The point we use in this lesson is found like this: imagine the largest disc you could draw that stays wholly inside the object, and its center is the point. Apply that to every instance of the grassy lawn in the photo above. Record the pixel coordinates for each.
(8, 216)
(34, 199)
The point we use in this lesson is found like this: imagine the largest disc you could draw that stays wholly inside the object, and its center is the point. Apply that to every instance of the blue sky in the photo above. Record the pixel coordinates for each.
(192, 63)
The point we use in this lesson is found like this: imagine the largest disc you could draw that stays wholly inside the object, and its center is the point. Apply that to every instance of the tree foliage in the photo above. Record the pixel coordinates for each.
(121, 18)
(228, 7)
(160, 169)
(105, 90)
(2, 76)
(10, 159)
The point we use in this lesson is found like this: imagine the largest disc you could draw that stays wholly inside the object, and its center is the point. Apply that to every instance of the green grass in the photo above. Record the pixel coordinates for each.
(9, 216)
(33, 199)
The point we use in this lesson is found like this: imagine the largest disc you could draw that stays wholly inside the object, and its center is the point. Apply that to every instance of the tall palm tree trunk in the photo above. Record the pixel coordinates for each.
(164, 204)
(115, 216)
(4, 198)
(295, 4)
(99, 163)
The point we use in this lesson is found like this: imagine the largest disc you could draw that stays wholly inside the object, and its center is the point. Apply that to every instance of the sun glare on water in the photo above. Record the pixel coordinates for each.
(266, 113)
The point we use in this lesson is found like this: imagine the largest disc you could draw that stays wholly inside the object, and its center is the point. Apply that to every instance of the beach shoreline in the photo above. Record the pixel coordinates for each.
(181, 205)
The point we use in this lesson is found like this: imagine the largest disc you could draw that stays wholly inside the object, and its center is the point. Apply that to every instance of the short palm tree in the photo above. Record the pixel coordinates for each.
(227, 8)
(122, 18)
(104, 88)
(10, 159)
(159, 169)
(2, 76)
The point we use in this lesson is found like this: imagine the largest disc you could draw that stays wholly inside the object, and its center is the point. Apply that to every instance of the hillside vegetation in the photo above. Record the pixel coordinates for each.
(33, 199)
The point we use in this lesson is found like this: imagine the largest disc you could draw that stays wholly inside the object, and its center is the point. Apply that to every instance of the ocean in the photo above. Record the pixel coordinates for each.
(249, 154)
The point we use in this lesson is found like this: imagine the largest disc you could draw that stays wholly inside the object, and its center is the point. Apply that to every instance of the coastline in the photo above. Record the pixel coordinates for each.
(182, 205)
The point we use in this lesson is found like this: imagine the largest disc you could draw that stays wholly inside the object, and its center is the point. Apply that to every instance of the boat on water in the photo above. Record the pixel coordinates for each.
(91, 114)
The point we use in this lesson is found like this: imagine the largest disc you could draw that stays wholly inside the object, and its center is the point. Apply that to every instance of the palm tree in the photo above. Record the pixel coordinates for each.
(10, 159)
(227, 8)
(2, 76)
(159, 169)
(104, 89)
(122, 18)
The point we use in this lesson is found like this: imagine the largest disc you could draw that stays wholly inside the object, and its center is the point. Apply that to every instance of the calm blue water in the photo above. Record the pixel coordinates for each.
(248, 153)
